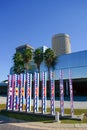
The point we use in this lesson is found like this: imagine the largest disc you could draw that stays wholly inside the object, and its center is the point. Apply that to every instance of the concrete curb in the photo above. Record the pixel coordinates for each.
(39, 125)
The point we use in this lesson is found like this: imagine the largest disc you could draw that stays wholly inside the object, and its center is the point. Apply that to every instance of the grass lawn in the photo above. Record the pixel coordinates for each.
(2, 106)
(27, 117)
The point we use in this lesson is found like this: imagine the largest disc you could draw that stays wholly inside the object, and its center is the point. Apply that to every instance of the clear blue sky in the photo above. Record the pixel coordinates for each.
(35, 22)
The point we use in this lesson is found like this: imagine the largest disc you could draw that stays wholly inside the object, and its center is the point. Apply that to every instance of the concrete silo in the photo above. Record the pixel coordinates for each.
(61, 44)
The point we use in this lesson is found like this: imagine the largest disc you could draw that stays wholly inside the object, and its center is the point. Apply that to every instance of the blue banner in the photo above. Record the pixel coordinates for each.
(9, 93)
(44, 92)
(52, 85)
(28, 91)
(71, 93)
(36, 91)
(61, 94)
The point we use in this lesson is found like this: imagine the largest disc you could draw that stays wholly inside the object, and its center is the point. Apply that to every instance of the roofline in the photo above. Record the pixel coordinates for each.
(60, 35)
(19, 47)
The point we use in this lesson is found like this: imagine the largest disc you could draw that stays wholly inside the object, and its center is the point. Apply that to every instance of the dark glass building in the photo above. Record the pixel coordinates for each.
(77, 63)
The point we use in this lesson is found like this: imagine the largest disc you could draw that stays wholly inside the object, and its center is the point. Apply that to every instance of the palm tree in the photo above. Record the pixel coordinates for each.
(18, 63)
(38, 58)
(50, 60)
(54, 63)
(27, 56)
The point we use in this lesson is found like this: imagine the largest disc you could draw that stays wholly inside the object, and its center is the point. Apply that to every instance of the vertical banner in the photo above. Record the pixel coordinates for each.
(71, 92)
(28, 91)
(23, 90)
(20, 92)
(36, 91)
(61, 94)
(52, 85)
(9, 93)
(12, 97)
(43, 92)
(16, 93)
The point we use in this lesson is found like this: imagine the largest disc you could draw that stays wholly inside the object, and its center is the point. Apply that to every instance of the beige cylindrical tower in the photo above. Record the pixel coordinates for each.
(61, 44)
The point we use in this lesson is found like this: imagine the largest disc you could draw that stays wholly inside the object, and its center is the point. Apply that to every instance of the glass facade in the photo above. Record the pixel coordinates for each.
(76, 62)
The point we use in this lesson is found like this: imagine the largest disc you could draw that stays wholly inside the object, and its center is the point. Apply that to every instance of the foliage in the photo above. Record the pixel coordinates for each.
(38, 58)
(50, 59)
(18, 63)
(21, 61)
(27, 56)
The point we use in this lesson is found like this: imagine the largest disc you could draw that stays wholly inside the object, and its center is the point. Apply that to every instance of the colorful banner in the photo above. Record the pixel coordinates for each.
(12, 96)
(61, 94)
(71, 93)
(23, 91)
(28, 91)
(52, 85)
(36, 91)
(20, 95)
(44, 92)
(20, 82)
(9, 101)
(16, 92)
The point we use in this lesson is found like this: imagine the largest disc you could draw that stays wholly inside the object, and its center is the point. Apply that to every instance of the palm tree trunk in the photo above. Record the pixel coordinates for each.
(39, 73)
(39, 79)
(48, 87)
(49, 73)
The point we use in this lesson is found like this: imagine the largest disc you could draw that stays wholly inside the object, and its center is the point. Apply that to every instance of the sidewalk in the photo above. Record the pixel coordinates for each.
(40, 125)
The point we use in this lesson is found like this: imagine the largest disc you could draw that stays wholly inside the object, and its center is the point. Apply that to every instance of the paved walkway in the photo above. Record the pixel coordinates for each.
(13, 124)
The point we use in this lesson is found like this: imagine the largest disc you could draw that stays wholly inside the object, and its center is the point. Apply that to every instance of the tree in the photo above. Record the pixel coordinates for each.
(21, 61)
(50, 60)
(27, 56)
(38, 58)
(18, 63)
(54, 63)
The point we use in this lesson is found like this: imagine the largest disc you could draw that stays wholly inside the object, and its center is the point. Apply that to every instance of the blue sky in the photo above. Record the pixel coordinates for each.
(35, 22)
